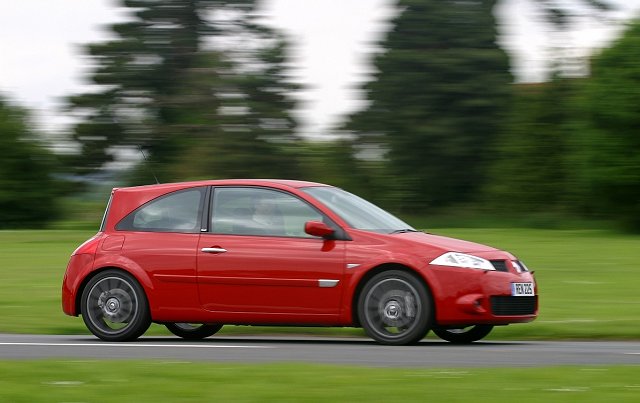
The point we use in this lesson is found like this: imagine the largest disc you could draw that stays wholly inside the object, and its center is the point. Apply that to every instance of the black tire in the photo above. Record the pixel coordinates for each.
(193, 331)
(395, 308)
(114, 307)
(464, 335)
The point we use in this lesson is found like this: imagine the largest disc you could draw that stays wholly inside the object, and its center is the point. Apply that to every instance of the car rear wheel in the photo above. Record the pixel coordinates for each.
(193, 331)
(463, 335)
(114, 307)
(395, 308)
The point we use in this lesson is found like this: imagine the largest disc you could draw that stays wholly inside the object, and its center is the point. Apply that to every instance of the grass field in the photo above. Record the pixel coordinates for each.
(588, 282)
(166, 381)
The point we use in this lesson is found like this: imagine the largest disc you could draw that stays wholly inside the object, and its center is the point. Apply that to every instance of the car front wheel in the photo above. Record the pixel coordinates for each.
(114, 307)
(395, 308)
(193, 331)
(463, 335)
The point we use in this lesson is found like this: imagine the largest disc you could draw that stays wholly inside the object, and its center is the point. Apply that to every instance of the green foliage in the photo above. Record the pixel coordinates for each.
(531, 170)
(222, 136)
(135, 72)
(27, 188)
(334, 163)
(610, 147)
(199, 110)
(440, 92)
(571, 145)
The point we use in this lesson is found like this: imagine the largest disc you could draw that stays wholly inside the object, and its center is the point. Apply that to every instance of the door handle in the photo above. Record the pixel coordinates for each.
(213, 250)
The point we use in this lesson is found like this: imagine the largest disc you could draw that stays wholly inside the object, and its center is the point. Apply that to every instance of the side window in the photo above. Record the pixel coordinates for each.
(176, 212)
(255, 211)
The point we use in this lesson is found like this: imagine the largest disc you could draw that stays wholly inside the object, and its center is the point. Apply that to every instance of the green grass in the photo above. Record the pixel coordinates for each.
(165, 381)
(588, 282)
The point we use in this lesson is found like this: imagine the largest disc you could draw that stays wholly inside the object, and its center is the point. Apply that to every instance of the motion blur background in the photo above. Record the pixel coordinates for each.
(461, 113)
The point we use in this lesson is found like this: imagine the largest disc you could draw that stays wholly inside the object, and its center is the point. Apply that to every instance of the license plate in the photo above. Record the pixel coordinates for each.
(522, 289)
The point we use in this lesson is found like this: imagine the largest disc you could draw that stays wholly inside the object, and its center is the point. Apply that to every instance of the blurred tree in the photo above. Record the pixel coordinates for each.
(531, 169)
(534, 169)
(609, 148)
(240, 129)
(335, 162)
(27, 188)
(438, 98)
(169, 84)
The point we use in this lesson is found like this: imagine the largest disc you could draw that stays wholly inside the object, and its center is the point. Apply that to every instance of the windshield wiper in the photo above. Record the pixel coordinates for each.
(405, 230)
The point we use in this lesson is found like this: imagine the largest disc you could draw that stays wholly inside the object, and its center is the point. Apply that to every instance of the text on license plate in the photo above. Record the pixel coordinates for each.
(521, 289)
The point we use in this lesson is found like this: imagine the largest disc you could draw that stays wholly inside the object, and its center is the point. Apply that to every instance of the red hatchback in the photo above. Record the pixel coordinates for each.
(195, 256)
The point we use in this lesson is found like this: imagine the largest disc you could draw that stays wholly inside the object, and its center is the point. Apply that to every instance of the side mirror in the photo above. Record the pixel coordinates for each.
(317, 228)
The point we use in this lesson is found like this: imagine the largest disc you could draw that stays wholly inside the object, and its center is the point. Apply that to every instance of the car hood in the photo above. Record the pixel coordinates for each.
(444, 243)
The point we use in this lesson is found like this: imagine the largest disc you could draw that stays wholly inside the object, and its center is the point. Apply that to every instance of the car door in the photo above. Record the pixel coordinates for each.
(256, 257)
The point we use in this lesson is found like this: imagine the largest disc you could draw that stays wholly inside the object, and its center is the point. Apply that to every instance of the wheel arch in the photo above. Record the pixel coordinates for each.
(379, 269)
(144, 283)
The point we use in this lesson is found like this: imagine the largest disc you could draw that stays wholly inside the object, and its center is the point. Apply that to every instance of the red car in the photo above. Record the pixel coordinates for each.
(195, 256)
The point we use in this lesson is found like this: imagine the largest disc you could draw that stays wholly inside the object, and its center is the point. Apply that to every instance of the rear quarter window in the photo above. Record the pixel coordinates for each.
(175, 212)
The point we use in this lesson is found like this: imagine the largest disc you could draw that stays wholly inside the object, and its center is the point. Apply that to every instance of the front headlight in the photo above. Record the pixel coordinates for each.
(455, 259)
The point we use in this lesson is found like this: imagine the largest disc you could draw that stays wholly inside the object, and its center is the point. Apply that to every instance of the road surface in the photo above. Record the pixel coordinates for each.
(351, 351)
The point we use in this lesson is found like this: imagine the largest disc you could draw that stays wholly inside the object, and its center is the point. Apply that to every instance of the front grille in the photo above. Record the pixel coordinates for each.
(499, 265)
(507, 306)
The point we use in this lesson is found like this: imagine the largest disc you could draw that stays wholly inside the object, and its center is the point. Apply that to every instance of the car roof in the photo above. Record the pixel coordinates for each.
(278, 183)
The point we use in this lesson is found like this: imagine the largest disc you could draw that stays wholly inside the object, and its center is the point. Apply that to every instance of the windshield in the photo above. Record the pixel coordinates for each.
(357, 212)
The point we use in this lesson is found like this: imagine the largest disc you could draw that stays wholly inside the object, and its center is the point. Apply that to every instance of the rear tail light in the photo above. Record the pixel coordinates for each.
(89, 247)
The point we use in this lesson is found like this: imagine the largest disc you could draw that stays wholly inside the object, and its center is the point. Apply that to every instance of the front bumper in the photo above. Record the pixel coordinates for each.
(469, 296)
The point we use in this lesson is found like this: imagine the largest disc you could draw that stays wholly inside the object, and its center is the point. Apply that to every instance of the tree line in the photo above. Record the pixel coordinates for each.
(202, 88)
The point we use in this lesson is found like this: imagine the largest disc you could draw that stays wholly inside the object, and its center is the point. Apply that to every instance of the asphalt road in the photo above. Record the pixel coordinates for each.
(352, 351)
